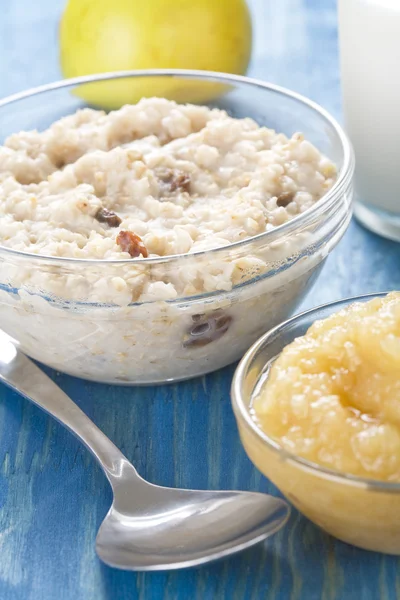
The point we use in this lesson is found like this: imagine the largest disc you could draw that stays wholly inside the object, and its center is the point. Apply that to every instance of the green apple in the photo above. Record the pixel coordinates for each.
(98, 36)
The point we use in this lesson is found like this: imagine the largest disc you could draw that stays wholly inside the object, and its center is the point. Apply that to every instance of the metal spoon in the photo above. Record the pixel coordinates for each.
(149, 527)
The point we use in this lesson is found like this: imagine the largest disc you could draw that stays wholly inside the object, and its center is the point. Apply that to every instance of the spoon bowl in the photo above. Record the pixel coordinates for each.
(149, 527)
(166, 528)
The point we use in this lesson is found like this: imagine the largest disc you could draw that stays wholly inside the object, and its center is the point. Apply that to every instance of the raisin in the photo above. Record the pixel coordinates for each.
(198, 317)
(180, 181)
(223, 322)
(200, 329)
(285, 198)
(132, 243)
(104, 215)
(207, 329)
(173, 180)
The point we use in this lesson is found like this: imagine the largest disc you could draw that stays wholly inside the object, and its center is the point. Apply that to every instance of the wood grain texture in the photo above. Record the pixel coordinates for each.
(52, 495)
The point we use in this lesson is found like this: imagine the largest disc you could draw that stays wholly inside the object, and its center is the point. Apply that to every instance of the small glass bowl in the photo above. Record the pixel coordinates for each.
(55, 307)
(359, 511)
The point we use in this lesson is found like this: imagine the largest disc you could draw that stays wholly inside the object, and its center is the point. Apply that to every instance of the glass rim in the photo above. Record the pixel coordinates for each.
(332, 196)
(242, 413)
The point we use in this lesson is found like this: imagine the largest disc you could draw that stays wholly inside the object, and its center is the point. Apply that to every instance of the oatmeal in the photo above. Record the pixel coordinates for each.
(151, 181)
(183, 179)
(333, 395)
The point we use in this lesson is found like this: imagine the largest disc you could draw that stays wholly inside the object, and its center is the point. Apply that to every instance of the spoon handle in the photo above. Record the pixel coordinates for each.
(21, 374)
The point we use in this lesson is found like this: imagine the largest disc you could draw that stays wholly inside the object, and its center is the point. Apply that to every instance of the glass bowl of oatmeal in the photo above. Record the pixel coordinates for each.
(158, 241)
(317, 403)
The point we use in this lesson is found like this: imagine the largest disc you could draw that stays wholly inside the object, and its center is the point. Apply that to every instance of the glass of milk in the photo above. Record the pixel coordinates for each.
(369, 34)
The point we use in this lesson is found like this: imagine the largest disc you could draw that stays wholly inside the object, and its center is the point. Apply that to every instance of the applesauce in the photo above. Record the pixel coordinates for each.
(322, 421)
(333, 395)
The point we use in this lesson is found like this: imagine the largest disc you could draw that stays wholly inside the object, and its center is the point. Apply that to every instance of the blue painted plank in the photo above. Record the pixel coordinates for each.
(52, 495)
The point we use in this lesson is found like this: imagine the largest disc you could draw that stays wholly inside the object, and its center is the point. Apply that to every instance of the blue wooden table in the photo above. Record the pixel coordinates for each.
(52, 495)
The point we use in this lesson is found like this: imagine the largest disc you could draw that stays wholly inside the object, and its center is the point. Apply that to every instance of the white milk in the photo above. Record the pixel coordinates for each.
(369, 32)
